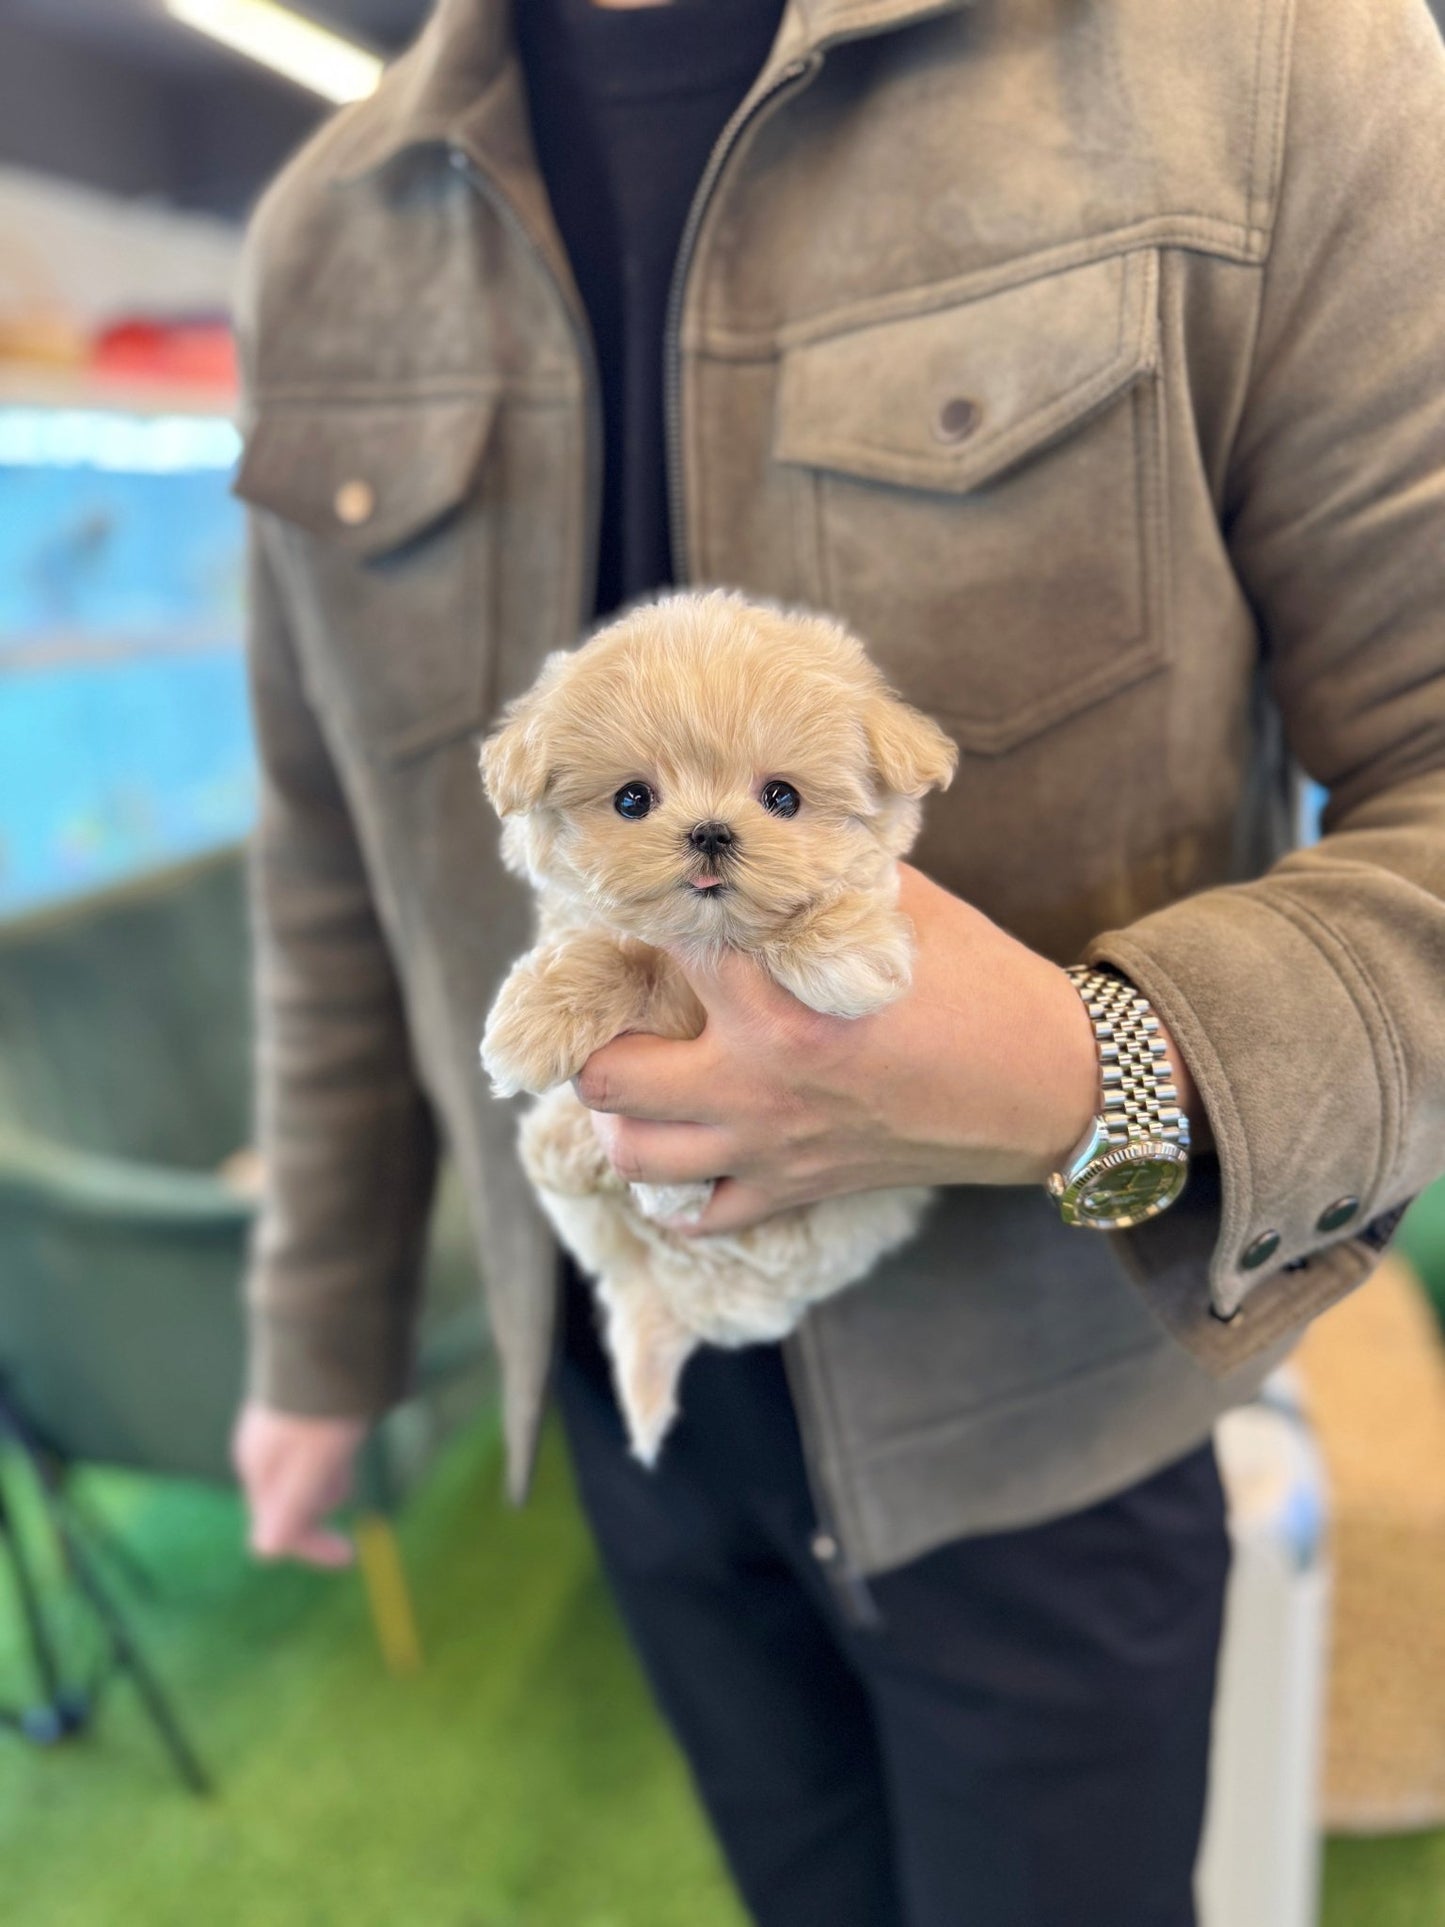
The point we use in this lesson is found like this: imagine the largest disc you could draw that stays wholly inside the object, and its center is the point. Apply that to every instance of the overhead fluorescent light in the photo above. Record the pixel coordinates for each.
(286, 42)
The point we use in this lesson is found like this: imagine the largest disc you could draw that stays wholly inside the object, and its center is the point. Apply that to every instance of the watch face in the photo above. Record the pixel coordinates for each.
(1128, 1185)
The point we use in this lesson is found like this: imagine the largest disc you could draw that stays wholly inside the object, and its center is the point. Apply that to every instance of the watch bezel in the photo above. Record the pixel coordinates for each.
(1098, 1154)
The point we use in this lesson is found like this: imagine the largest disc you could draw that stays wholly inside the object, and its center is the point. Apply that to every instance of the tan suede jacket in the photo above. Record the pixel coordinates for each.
(1088, 358)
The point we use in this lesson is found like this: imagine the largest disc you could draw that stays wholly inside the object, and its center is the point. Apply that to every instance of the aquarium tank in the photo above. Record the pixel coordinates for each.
(124, 738)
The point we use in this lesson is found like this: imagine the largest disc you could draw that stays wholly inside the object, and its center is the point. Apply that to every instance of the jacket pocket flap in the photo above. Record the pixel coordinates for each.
(372, 476)
(952, 398)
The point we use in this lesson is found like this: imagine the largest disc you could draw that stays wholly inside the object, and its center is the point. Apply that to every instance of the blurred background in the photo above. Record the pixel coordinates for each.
(453, 1735)
(131, 146)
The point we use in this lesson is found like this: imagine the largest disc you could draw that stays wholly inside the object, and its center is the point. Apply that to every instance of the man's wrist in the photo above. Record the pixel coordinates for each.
(1084, 1074)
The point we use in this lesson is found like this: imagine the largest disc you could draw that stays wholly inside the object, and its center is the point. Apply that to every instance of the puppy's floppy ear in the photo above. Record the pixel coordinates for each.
(910, 752)
(515, 764)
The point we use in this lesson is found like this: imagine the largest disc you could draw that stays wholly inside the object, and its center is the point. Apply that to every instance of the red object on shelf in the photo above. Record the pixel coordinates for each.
(199, 353)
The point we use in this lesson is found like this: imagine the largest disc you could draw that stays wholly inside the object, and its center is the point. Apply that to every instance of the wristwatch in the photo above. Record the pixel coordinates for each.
(1133, 1160)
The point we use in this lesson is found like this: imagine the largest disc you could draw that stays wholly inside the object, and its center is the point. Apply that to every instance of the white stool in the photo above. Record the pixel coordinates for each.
(1260, 1862)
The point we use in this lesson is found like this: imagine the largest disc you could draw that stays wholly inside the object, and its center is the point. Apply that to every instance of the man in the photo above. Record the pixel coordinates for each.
(1084, 357)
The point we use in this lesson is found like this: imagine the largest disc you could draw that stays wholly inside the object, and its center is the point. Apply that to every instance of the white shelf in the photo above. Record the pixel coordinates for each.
(23, 385)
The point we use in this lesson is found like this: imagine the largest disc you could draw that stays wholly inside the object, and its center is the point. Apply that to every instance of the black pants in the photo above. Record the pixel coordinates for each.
(1021, 1741)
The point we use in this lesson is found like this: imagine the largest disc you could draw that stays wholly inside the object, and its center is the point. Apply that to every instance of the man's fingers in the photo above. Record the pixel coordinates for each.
(288, 1512)
(644, 1152)
(294, 1471)
(278, 1536)
(670, 1080)
(732, 985)
(280, 1519)
(734, 1206)
(331, 1551)
(647, 1077)
(313, 1546)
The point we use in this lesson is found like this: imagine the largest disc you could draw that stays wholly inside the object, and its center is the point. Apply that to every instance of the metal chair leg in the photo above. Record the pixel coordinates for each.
(67, 1710)
(392, 1613)
(129, 1659)
(43, 1657)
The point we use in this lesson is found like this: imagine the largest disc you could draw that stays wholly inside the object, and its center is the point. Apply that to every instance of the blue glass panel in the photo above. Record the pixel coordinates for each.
(128, 556)
(124, 735)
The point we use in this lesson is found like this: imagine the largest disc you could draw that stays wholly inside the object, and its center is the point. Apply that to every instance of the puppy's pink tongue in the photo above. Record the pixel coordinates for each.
(706, 883)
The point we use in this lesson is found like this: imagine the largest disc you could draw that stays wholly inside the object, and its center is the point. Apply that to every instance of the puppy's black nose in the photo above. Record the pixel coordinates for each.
(711, 839)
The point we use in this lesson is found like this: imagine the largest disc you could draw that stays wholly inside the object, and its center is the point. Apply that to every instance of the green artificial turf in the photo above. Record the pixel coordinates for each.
(1385, 1883)
(520, 1781)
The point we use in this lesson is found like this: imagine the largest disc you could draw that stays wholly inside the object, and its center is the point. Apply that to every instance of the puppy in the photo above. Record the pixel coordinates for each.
(705, 772)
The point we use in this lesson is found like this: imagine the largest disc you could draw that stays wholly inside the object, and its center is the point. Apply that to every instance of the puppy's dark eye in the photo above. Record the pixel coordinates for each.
(780, 799)
(633, 801)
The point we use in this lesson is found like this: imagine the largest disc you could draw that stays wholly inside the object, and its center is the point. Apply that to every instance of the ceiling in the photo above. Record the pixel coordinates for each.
(140, 30)
(115, 94)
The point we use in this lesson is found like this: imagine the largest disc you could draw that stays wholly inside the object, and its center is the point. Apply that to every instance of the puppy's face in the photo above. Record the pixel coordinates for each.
(706, 767)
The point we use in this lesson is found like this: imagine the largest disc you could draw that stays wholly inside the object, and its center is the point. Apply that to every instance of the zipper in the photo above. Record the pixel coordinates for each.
(850, 1588)
(477, 176)
(789, 79)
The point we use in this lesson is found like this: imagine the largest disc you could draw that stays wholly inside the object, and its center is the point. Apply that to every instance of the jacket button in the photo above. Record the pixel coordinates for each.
(956, 419)
(824, 1548)
(1260, 1252)
(1337, 1214)
(354, 503)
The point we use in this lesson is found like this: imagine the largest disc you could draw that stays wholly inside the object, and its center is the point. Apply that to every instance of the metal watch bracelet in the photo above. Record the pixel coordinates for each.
(1140, 1099)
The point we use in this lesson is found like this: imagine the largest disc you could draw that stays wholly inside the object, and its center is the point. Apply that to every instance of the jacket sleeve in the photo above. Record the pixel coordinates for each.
(346, 1136)
(1310, 1003)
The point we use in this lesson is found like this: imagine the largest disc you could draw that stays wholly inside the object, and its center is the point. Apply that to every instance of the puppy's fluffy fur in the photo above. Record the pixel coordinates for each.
(704, 700)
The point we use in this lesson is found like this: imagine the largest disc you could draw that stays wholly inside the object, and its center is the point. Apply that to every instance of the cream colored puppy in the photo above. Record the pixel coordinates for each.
(705, 772)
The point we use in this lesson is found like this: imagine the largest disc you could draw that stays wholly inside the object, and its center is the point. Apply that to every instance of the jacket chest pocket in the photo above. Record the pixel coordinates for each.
(980, 496)
(388, 545)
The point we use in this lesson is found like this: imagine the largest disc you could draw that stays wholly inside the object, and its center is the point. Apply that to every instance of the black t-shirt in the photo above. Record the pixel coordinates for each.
(627, 104)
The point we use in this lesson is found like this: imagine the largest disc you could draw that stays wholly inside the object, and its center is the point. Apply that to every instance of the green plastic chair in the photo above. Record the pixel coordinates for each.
(124, 1085)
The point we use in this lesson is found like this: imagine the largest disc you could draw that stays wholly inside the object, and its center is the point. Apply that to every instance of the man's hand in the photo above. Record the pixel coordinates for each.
(294, 1471)
(986, 1072)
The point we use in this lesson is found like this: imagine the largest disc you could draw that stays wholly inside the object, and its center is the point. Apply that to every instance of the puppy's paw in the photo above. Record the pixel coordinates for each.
(849, 968)
(543, 1027)
(682, 1201)
(519, 1053)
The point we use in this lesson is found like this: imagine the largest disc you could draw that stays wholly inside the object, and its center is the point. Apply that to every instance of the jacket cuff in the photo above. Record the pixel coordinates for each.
(354, 1363)
(1281, 1035)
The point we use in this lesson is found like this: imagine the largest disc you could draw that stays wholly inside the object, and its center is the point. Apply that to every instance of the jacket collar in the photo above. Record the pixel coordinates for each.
(456, 84)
